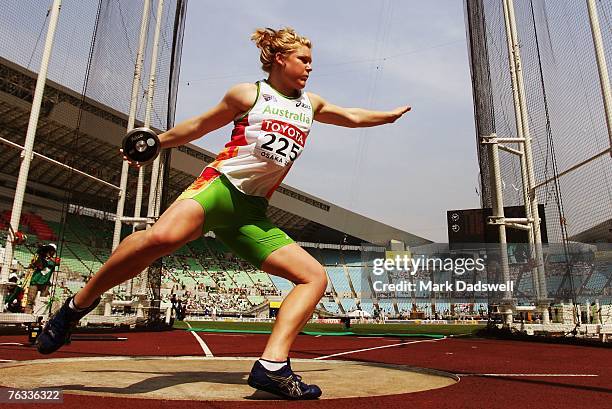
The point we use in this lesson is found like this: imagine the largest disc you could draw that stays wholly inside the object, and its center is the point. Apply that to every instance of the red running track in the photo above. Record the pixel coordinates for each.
(467, 357)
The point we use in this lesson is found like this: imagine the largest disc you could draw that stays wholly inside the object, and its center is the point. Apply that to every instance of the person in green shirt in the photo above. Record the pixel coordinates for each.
(12, 301)
(43, 265)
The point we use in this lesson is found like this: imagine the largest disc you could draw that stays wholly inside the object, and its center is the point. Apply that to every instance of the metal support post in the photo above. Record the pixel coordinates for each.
(28, 149)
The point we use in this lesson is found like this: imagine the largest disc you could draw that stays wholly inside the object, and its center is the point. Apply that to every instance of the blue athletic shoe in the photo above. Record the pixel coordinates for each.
(58, 329)
(283, 383)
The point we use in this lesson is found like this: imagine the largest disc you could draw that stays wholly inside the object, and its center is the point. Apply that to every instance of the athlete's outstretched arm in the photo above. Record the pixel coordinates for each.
(352, 117)
(237, 100)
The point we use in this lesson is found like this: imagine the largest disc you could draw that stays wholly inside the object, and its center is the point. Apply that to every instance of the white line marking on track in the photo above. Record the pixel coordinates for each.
(529, 374)
(205, 347)
(11, 343)
(379, 347)
(7, 360)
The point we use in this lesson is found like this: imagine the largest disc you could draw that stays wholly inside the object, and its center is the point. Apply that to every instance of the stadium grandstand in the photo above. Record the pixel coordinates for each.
(209, 278)
(74, 186)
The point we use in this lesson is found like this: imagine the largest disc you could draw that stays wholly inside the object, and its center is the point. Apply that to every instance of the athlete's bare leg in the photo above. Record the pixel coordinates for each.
(295, 264)
(182, 222)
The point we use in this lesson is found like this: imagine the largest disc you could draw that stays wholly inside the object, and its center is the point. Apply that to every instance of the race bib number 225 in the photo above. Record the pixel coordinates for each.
(280, 142)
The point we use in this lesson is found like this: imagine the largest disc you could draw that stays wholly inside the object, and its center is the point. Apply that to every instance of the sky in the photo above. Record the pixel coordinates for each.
(368, 54)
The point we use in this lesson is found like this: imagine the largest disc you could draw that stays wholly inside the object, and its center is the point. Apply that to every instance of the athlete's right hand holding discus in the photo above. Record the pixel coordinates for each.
(272, 120)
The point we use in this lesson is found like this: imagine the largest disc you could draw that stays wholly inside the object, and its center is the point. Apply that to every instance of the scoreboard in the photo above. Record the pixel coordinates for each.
(470, 226)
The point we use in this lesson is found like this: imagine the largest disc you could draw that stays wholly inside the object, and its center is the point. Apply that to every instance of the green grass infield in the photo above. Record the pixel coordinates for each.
(395, 329)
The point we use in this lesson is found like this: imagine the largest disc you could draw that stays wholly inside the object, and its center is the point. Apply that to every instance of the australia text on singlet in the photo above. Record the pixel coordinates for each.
(266, 141)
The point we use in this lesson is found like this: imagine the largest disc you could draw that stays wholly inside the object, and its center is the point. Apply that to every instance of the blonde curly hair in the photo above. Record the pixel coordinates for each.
(271, 41)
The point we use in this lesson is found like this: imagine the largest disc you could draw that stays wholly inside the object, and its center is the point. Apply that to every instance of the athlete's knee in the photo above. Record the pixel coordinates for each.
(318, 278)
(163, 240)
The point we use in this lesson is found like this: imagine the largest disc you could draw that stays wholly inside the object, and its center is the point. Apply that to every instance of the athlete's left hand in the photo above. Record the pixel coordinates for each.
(398, 112)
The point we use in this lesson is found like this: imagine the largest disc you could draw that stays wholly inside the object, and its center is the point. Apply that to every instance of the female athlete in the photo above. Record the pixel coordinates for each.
(272, 120)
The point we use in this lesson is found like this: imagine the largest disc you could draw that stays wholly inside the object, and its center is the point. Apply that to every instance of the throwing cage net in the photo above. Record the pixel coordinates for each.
(567, 125)
(85, 110)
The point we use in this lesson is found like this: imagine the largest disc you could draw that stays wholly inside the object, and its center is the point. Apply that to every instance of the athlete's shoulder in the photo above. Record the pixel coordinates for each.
(317, 101)
(243, 90)
(243, 87)
(241, 96)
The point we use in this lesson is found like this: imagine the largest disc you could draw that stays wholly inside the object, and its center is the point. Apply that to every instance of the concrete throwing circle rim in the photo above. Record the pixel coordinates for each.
(197, 378)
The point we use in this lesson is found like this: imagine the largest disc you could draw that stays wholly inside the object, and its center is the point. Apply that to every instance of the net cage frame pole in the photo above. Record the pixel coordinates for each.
(521, 137)
(574, 167)
(131, 119)
(148, 110)
(600, 57)
(143, 276)
(508, 303)
(154, 189)
(149, 106)
(515, 98)
(542, 300)
(138, 66)
(63, 165)
(28, 149)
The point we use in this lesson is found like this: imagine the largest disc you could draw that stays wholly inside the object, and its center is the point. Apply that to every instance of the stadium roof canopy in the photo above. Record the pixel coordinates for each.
(94, 150)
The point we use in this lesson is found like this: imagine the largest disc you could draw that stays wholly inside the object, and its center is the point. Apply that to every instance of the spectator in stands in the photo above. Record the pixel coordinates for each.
(176, 307)
(180, 310)
(595, 314)
(272, 119)
(12, 301)
(42, 265)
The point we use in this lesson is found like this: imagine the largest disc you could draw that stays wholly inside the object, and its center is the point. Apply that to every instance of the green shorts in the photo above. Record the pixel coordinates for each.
(237, 219)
